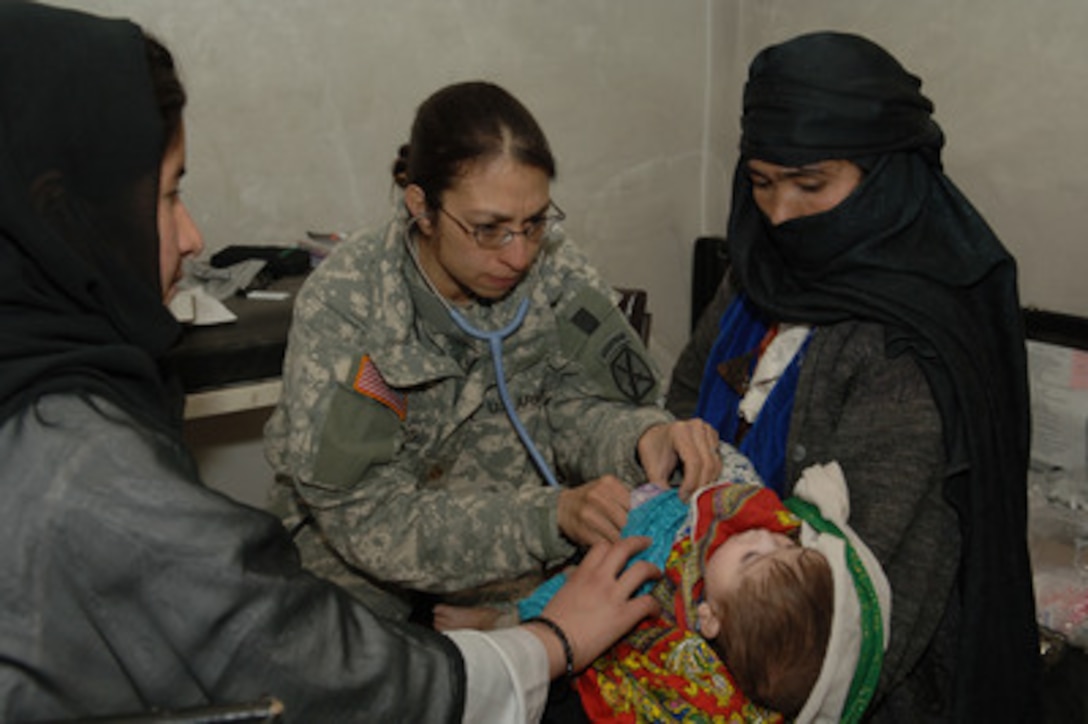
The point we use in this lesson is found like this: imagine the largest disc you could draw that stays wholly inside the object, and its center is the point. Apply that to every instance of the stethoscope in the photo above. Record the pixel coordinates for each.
(494, 339)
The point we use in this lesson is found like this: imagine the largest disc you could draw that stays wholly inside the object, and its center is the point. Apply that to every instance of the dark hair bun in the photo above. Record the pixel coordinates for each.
(400, 167)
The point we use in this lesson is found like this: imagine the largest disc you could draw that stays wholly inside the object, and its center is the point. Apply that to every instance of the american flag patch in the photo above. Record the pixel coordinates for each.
(369, 382)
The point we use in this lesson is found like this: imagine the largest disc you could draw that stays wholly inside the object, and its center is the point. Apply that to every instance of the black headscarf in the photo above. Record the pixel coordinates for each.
(907, 250)
(81, 144)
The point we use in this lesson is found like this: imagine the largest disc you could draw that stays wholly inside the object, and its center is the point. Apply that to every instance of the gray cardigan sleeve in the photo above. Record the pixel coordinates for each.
(876, 416)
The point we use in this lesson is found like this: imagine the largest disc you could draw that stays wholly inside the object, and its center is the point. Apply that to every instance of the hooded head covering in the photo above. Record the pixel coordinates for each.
(862, 599)
(81, 144)
(833, 95)
(908, 251)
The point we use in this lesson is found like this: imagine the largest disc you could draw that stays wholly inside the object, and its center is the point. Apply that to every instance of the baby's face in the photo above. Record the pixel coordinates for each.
(744, 555)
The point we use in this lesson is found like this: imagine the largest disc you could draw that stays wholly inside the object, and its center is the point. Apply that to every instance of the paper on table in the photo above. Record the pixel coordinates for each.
(195, 306)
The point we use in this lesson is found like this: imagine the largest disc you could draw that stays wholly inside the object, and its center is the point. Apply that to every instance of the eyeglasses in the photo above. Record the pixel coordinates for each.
(496, 236)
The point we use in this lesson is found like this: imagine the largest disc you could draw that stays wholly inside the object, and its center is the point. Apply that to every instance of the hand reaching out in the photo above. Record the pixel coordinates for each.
(595, 511)
(693, 443)
(596, 607)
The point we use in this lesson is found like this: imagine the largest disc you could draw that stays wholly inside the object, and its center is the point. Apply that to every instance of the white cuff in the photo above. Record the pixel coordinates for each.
(506, 675)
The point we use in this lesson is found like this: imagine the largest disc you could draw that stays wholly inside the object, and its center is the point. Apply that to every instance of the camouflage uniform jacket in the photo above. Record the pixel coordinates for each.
(393, 434)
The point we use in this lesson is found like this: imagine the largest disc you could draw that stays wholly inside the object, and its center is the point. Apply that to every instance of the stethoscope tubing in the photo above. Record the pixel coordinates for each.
(494, 341)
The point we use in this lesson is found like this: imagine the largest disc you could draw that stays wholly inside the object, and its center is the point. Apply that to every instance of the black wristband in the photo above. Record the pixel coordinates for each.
(568, 652)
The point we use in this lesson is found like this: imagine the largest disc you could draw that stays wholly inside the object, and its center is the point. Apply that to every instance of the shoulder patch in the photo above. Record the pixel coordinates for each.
(368, 381)
(633, 377)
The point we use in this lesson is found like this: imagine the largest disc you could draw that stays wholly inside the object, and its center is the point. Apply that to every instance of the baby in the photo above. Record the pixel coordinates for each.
(761, 607)
(766, 610)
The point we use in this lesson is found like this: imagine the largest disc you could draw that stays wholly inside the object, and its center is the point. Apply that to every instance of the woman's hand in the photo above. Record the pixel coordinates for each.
(595, 607)
(595, 511)
(692, 443)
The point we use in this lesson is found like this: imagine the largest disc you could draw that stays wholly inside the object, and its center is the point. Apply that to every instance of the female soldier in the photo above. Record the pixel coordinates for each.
(871, 317)
(441, 369)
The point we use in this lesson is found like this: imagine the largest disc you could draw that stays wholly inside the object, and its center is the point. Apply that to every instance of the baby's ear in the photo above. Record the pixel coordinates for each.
(709, 625)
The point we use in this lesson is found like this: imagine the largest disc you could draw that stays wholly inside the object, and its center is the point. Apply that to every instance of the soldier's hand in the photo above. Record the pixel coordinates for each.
(595, 511)
(595, 606)
(691, 442)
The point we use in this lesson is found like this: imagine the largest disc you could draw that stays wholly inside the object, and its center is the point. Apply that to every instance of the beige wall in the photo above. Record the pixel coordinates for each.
(297, 109)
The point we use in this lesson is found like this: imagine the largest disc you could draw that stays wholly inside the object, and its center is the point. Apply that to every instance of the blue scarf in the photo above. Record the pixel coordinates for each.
(740, 332)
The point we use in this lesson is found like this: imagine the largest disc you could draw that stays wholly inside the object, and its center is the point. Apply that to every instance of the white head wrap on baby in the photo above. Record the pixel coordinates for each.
(862, 597)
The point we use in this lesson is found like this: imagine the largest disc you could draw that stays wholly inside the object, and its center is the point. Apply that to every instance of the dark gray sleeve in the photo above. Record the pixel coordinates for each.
(877, 417)
(687, 375)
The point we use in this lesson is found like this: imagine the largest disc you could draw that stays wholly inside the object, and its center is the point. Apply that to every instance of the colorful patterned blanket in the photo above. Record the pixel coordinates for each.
(664, 671)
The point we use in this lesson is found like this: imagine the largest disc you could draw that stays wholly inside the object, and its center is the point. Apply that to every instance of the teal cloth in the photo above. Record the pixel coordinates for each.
(660, 518)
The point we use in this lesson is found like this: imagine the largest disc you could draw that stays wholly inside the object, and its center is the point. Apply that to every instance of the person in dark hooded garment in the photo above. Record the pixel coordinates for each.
(126, 586)
(870, 316)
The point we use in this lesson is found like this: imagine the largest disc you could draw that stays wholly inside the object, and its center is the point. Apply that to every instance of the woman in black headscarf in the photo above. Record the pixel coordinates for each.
(870, 316)
(125, 584)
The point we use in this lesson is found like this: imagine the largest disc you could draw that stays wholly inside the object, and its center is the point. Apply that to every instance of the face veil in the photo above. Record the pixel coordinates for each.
(81, 144)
